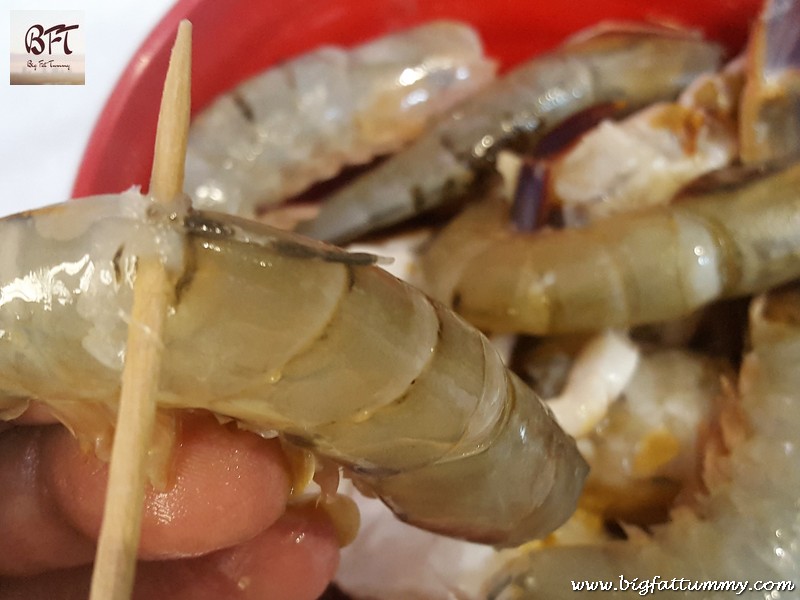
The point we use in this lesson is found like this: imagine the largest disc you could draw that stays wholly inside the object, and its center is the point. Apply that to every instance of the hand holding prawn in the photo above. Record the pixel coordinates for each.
(384, 423)
(236, 534)
(430, 410)
(113, 572)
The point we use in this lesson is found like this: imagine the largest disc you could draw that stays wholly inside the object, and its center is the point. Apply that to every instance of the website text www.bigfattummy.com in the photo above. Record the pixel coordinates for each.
(656, 584)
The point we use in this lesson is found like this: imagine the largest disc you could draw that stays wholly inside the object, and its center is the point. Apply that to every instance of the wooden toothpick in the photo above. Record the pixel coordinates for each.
(115, 562)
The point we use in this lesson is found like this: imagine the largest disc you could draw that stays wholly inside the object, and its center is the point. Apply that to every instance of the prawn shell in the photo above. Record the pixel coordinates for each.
(290, 336)
(457, 156)
(731, 235)
(302, 121)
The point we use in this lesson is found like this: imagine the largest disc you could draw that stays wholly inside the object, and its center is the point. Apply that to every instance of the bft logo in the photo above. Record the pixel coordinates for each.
(57, 34)
(48, 47)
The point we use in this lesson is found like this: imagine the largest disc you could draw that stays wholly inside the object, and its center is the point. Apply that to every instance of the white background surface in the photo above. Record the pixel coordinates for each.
(44, 128)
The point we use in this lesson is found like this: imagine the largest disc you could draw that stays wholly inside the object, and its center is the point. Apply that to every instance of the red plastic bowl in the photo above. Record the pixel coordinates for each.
(233, 39)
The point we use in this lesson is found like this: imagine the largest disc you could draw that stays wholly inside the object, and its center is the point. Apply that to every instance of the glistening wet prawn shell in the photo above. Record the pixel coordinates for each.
(264, 327)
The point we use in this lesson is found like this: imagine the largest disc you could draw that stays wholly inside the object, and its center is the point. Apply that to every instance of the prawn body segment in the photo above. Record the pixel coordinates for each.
(290, 337)
(304, 120)
(740, 238)
(456, 156)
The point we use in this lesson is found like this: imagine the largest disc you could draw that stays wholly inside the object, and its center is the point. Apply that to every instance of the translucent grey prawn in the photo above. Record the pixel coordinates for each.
(634, 67)
(733, 234)
(289, 336)
(745, 530)
(304, 120)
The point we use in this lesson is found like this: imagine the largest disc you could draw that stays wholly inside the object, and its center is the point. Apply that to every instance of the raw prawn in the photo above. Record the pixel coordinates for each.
(641, 452)
(634, 67)
(730, 235)
(301, 122)
(290, 336)
(745, 529)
